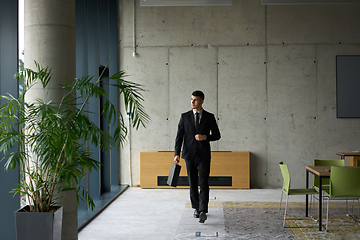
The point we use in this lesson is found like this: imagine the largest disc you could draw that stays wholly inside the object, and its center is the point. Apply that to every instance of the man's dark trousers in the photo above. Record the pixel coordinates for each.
(198, 171)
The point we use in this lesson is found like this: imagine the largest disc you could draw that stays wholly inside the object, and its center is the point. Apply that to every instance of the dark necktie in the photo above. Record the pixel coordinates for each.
(197, 121)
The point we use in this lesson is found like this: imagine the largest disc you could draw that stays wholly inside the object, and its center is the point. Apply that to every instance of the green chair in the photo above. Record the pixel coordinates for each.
(291, 191)
(325, 181)
(344, 183)
(358, 162)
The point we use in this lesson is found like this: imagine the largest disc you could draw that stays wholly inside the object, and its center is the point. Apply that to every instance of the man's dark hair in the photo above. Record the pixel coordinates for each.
(198, 93)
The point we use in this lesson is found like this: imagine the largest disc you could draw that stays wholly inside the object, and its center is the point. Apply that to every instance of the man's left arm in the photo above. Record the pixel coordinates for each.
(215, 132)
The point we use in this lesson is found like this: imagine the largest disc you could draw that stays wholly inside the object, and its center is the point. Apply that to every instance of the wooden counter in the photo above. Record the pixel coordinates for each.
(354, 157)
(228, 170)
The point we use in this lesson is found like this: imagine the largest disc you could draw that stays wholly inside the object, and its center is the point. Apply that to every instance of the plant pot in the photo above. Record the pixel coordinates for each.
(38, 225)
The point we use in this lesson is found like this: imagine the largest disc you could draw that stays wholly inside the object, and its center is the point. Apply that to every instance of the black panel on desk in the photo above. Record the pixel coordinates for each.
(347, 86)
(213, 181)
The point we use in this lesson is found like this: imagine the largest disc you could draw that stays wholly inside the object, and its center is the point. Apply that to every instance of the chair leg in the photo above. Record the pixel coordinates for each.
(310, 212)
(312, 208)
(358, 211)
(311, 203)
(313, 200)
(357, 208)
(322, 203)
(352, 215)
(280, 203)
(355, 215)
(287, 198)
(327, 214)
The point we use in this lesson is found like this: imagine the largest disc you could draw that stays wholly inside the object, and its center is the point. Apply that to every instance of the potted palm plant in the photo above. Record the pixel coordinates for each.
(47, 140)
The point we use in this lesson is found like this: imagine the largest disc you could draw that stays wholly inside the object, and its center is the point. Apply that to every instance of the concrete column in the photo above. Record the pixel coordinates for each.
(50, 41)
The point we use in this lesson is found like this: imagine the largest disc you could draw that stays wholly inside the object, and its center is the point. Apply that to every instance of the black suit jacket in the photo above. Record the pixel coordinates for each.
(186, 135)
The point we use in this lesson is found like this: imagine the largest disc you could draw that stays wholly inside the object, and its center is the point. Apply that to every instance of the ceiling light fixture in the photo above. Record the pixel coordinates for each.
(298, 2)
(163, 3)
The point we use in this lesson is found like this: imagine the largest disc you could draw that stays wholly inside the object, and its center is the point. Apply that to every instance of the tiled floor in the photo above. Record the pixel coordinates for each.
(167, 214)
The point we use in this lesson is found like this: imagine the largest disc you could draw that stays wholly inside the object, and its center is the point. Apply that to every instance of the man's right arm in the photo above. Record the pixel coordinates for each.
(179, 140)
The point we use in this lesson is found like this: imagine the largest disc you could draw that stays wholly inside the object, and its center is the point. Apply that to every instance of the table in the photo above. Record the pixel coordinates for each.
(229, 170)
(354, 156)
(321, 173)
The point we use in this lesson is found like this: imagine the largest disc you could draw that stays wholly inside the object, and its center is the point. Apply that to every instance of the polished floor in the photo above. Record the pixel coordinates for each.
(166, 214)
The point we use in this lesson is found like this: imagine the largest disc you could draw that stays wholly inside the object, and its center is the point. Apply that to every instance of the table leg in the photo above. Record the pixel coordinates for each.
(320, 203)
(307, 199)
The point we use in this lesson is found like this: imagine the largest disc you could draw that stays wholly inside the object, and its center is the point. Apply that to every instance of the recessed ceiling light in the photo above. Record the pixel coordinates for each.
(163, 3)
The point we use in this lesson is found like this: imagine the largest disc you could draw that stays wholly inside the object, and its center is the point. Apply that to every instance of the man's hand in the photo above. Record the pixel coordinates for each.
(177, 159)
(200, 137)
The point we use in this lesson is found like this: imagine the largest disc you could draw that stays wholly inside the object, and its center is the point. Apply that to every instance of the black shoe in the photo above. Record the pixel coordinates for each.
(202, 217)
(196, 213)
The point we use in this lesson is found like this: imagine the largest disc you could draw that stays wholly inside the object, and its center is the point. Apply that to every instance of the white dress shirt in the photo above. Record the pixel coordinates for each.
(200, 115)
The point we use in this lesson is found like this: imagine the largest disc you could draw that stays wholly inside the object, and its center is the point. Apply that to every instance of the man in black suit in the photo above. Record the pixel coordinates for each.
(196, 129)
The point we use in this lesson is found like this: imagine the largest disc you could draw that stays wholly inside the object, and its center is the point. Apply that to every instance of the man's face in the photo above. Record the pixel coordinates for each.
(196, 103)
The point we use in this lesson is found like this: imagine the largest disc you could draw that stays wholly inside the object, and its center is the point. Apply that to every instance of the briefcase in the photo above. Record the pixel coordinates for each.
(173, 175)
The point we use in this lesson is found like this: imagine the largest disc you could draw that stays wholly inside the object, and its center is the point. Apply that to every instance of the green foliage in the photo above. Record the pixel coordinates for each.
(47, 140)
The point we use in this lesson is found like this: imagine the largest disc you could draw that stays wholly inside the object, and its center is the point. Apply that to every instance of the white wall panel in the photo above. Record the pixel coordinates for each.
(149, 69)
(242, 104)
(291, 109)
(241, 23)
(312, 24)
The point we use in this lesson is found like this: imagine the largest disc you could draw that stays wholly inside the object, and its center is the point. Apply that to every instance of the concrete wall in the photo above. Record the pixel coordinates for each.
(268, 74)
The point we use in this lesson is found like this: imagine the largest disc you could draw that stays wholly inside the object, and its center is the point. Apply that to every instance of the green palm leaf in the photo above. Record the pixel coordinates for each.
(52, 138)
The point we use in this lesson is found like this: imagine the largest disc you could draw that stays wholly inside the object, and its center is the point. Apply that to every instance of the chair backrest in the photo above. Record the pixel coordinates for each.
(345, 182)
(286, 176)
(358, 162)
(318, 162)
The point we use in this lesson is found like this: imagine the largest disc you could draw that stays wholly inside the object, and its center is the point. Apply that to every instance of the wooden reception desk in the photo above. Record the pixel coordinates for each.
(228, 170)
